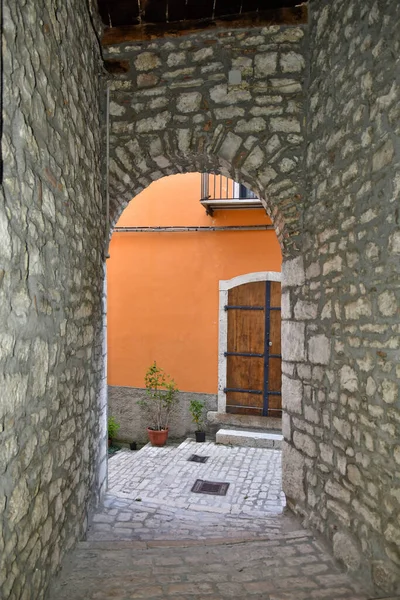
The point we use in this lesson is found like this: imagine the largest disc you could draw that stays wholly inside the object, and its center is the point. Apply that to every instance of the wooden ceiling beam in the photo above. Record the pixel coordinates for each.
(296, 15)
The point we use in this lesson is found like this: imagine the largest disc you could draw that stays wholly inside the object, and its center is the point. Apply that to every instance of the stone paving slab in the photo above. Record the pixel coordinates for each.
(119, 519)
(289, 568)
(163, 476)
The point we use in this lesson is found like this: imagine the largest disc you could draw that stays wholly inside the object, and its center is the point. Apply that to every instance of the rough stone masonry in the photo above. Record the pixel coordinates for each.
(173, 110)
(52, 389)
(342, 293)
(314, 129)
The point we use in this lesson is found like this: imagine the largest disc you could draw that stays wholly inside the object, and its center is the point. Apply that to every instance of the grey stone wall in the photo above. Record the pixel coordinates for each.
(122, 404)
(341, 297)
(52, 430)
(174, 110)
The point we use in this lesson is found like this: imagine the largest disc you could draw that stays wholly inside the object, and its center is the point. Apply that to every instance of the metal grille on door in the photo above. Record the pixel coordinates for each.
(254, 349)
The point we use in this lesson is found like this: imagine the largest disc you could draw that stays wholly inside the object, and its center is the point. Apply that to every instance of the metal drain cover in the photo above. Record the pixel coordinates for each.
(210, 487)
(198, 459)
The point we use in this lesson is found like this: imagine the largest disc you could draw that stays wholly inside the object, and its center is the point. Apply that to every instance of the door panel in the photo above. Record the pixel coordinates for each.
(246, 335)
(245, 372)
(254, 328)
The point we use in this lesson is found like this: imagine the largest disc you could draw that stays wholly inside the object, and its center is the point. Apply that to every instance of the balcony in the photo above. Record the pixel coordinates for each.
(222, 193)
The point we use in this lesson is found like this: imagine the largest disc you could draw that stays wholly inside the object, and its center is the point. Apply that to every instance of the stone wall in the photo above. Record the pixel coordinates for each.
(122, 404)
(52, 421)
(341, 297)
(173, 109)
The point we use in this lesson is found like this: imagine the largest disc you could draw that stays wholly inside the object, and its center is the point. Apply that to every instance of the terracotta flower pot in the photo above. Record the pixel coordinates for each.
(157, 438)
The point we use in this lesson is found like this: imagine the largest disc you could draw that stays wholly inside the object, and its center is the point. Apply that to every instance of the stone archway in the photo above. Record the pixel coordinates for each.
(173, 110)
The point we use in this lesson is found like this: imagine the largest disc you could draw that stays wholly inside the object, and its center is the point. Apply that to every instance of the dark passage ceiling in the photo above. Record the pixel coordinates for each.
(125, 13)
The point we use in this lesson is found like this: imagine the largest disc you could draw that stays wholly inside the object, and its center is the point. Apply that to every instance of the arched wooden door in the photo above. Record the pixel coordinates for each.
(253, 355)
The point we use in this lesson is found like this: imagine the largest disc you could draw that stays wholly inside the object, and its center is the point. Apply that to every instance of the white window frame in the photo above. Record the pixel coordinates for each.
(224, 286)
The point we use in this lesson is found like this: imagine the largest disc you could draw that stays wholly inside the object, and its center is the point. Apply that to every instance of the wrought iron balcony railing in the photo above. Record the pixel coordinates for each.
(219, 192)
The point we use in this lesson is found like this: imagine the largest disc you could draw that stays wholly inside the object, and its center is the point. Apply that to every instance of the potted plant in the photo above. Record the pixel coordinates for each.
(196, 408)
(113, 428)
(160, 402)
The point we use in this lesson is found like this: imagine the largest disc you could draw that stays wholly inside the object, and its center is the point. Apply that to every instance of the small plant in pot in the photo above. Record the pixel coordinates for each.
(112, 427)
(159, 404)
(196, 408)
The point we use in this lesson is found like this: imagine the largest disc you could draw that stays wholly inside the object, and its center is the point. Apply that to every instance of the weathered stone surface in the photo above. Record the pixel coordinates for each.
(319, 350)
(266, 64)
(147, 61)
(293, 272)
(189, 102)
(328, 173)
(52, 425)
(350, 256)
(293, 341)
(293, 473)
(345, 550)
(292, 394)
(182, 92)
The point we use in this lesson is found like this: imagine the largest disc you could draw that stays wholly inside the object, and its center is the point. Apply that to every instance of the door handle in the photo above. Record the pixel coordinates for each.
(269, 343)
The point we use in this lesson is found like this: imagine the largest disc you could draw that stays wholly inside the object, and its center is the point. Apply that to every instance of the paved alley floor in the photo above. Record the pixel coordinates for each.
(155, 538)
(165, 476)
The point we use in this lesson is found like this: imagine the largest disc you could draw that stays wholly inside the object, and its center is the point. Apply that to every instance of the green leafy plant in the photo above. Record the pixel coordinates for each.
(113, 427)
(161, 397)
(196, 408)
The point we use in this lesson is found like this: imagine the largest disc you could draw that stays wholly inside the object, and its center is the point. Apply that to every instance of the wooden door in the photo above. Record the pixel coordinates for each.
(254, 349)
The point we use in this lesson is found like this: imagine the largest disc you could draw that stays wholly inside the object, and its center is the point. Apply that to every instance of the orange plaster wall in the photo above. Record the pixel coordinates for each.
(163, 287)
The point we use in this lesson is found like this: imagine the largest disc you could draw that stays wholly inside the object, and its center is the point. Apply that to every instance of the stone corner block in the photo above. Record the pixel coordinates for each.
(292, 394)
(293, 341)
(293, 272)
(293, 473)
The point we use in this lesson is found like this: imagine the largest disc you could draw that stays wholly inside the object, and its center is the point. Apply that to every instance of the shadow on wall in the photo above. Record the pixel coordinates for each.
(123, 405)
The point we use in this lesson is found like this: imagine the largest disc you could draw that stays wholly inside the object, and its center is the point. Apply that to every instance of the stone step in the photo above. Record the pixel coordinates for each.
(226, 420)
(253, 439)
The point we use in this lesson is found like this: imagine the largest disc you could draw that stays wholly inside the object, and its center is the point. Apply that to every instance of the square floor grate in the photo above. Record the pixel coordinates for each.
(210, 487)
(198, 459)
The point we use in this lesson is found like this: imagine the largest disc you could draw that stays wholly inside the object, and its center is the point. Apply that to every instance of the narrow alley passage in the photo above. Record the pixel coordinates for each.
(155, 538)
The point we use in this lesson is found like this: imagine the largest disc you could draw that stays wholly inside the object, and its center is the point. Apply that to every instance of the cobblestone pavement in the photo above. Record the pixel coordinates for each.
(153, 548)
(150, 499)
(164, 476)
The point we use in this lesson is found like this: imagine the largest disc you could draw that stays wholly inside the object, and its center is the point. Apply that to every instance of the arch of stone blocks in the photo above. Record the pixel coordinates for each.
(173, 110)
(284, 212)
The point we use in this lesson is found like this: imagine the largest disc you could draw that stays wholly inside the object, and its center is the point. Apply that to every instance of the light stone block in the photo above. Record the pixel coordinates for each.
(189, 102)
(293, 272)
(394, 243)
(293, 464)
(292, 394)
(305, 310)
(305, 443)
(146, 61)
(387, 304)
(357, 309)
(265, 64)
(230, 146)
(292, 62)
(293, 341)
(319, 350)
(346, 550)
